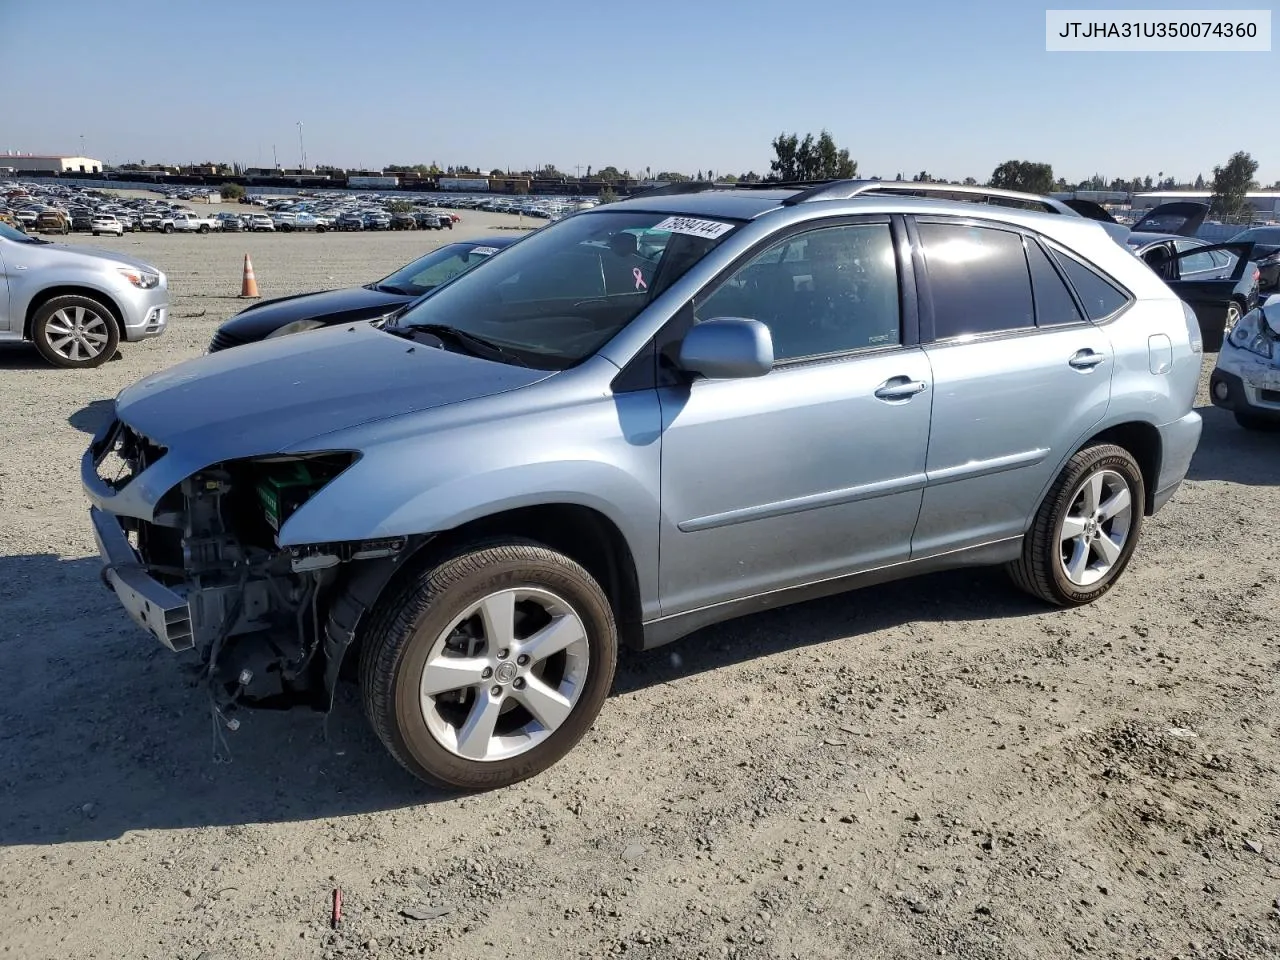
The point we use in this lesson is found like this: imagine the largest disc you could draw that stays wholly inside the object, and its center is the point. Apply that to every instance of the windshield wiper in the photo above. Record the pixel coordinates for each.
(475, 345)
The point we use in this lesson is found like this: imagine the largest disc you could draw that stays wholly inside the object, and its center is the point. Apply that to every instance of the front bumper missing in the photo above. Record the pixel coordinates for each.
(151, 605)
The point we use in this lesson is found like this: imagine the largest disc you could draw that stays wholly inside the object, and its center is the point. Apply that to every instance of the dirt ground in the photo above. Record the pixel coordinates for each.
(932, 768)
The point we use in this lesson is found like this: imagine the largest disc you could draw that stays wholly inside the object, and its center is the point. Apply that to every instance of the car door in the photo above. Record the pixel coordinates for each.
(1020, 373)
(815, 469)
(1211, 296)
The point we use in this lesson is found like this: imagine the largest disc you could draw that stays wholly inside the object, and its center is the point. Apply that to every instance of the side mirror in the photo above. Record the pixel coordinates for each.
(727, 348)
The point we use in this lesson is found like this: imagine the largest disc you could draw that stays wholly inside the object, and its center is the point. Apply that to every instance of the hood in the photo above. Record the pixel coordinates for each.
(264, 397)
(97, 254)
(331, 306)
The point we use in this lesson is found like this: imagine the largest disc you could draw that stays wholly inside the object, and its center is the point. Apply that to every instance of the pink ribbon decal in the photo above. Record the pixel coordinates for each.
(640, 284)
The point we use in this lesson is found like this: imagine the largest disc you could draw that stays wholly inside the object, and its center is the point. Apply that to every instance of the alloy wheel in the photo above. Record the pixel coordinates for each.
(77, 333)
(505, 674)
(1096, 528)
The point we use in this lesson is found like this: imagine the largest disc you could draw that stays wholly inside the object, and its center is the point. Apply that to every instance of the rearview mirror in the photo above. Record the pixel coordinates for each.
(727, 348)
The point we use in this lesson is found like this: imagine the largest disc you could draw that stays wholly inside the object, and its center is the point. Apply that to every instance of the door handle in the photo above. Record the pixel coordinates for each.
(900, 388)
(1086, 359)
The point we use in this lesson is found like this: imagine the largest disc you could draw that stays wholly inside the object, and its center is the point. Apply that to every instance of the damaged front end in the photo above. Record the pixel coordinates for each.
(199, 564)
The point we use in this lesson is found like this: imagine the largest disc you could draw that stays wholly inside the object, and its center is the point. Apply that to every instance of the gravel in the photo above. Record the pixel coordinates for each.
(1008, 782)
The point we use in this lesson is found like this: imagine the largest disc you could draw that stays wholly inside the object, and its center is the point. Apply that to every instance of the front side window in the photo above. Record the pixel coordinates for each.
(560, 294)
(978, 280)
(822, 292)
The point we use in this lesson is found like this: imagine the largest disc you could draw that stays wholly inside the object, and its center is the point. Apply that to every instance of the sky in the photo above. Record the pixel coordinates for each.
(950, 88)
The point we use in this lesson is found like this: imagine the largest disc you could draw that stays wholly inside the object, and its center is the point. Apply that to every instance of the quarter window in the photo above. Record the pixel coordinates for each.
(1054, 304)
(1100, 297)
(978, 280)
(822, 292)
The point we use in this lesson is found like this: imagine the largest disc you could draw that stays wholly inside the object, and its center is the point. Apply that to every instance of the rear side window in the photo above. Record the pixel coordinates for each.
(1054, 304)
(978, 280)
(1100, 297)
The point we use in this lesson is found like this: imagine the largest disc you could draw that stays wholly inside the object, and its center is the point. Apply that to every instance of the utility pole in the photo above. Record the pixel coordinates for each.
(302, 151)
(275, 157)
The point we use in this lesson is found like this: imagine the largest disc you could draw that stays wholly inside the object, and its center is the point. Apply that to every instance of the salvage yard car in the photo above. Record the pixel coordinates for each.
(1246, 379)
(577, 444)
(75, 303)
(281, 316)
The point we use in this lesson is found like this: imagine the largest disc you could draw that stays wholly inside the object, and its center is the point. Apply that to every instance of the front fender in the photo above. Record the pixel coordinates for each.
(603, 455)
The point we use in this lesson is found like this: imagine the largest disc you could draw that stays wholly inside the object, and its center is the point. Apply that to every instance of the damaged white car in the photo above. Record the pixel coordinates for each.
(1246, 380)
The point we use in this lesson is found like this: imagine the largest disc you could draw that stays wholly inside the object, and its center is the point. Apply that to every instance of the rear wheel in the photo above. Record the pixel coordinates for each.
(489, 666)
(75, 332)
(1086, 529)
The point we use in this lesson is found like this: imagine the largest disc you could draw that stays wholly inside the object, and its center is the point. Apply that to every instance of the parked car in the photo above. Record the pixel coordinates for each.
(1266, 253)
(1218, 280)
(1246, 378)
(74, 303)
(231, 223)
(53, 221)
(307, 311)
(260, 222)
(106, 224)
(575, 446)
(349, 221)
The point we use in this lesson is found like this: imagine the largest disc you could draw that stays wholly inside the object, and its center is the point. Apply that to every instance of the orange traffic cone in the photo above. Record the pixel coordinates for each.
(248, 286)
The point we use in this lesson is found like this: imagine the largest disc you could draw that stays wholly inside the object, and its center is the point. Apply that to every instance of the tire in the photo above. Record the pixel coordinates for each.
(61, 314)
(320, 229)
(168, 228)
(408, 629)
(1042, 570)
(1213, 338)
(1253, 421)
(204, 228)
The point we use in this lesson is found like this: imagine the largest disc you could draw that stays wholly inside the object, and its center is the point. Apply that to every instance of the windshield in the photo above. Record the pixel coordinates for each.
(1258, 235)
(428, 272)
(560, 294)
(10, 233)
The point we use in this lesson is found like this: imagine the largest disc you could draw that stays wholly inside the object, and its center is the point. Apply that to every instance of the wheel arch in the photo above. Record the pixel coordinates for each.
(581, 533)
(70, 290)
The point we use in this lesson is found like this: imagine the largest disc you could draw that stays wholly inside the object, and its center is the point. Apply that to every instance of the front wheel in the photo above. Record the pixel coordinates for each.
(204, 228)
(1085, 530)
(75, 332)
(489, 666)
(168, 228)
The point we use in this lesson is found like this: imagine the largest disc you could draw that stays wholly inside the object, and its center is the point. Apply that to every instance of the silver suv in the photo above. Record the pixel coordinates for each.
(75, 303)
(643, 419)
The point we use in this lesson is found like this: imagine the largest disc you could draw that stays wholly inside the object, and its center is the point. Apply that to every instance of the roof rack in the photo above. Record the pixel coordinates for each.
(844, 189)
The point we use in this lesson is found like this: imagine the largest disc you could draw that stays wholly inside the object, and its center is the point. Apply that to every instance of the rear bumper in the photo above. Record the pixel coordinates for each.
(149, 603)
(1178, 442)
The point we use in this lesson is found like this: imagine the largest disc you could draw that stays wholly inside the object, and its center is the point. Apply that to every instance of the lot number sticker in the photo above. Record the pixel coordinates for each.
(707, 229)
(484, 251)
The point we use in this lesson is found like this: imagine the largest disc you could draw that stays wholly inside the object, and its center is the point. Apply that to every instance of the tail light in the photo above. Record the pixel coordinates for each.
(1193, 329)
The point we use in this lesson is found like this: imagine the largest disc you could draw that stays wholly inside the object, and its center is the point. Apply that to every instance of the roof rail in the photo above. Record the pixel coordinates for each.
(844, 189)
